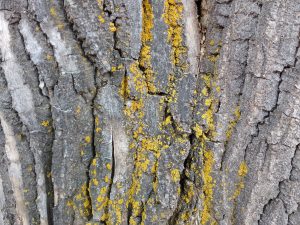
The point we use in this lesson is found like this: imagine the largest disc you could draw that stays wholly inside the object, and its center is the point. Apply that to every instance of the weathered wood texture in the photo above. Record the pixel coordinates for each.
(149, 112)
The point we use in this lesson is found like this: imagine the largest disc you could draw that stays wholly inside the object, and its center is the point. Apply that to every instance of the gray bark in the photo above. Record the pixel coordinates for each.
(149, 112)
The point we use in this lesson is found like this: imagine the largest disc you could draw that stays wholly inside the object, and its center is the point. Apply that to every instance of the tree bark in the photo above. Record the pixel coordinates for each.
(149, 112)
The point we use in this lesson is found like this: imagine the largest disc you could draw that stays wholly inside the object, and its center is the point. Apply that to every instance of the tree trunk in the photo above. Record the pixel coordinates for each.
(149, 112)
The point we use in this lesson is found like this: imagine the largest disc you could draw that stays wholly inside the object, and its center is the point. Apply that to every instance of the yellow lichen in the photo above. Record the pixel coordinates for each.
(94, 162)
(108, 166)
(53, 12)
(112, 27)
(101, 19)
(243, 169)
(173, 18)
(106, 179)
(113, 69)
(232, 123)
(124, 91)
(78, 110)
(175, 175)
(208, 186)
(87, 139)
(45, 123)
(146, 38)
(82, 201)
(49, 57)
(198, 131)
(140, 84)
(242, 172)
(60, 26)
(167, 121)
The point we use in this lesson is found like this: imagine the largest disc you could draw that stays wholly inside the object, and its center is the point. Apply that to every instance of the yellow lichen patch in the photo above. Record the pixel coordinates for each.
(49, 57)
(101, 19)
(45, 123)
(208, 186)
(243, 169)
(209, 118)
(78, 110)
(134, 107)
(189, 193)
(112, 27)
(167, 121)
(97, 122)
(173, 18)
(242, 172)
(124, 91)
(108, 166)
(113, 69)
(70, 203)
(175, 175)
(101, 16)
(94, 162)
(138, 132)
(102, 202)
(95, 181)
(198, 131)
(185, 217)
(232, 123)
(204, 91)
(49, 174)
(53, 12)
(140, 84)
(83, 202)
(87, 139)
(106, 179)
(93, 172)
(151, 144)
(213, 58)
(60, 26)
(146, 38)
(97, 125)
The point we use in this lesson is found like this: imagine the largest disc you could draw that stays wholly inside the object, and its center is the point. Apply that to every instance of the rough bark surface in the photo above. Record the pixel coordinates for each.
(149, 112)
